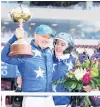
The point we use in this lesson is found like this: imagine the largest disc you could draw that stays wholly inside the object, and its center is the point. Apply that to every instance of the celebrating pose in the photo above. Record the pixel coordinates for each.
(36, 72)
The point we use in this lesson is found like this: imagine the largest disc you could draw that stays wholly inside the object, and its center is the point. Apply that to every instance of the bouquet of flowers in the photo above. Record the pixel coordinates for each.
(87, 73)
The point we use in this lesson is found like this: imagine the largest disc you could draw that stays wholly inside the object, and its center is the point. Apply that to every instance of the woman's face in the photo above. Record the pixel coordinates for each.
(60, 46)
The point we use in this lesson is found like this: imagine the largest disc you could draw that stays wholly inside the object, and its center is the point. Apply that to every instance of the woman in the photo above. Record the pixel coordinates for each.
(63, 62)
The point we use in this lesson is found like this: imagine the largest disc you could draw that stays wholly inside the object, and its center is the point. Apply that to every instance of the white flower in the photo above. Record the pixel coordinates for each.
(70, 74)
(79, 73)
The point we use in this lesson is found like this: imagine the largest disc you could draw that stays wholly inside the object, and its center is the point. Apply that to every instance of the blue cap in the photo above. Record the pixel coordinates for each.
(65, 37)
(44, 29)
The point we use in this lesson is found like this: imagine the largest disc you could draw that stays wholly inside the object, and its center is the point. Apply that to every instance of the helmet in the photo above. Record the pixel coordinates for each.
(66, 38)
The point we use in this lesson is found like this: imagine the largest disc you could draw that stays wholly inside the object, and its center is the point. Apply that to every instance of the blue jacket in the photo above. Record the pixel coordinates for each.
(60, 68)
(36, 72)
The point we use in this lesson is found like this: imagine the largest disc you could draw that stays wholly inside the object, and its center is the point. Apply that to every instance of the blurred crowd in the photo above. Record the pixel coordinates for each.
(85, 55)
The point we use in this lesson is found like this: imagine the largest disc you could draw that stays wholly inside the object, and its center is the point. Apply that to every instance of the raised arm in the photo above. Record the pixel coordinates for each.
(5, 52)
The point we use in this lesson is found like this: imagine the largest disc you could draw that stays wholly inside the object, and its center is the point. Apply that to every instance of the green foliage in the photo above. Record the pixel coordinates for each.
(70, 84)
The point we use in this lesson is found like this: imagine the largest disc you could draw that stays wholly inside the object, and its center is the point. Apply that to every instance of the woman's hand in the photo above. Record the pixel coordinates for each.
(97, 89)
(87, 88)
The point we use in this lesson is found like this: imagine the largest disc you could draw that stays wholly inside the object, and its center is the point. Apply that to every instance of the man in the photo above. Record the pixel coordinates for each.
(36, 72)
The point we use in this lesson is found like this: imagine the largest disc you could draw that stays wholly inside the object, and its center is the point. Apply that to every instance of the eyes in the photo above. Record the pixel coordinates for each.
(46, 36)
(60, 43)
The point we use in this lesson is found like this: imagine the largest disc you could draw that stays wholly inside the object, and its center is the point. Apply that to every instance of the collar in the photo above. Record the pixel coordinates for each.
(67, 56)
(34, 45)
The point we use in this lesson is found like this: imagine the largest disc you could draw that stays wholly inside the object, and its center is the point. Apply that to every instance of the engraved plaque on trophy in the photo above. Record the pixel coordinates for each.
(20, 48)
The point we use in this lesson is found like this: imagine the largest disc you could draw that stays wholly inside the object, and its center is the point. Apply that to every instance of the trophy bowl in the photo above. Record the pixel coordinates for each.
(20, 48)
(20, 13)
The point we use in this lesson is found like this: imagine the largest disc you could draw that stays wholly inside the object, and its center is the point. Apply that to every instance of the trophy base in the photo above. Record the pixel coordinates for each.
(20, 55)
(21, 50)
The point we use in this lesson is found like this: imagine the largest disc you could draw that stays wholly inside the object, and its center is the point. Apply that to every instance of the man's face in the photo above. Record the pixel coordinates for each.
(42, 41)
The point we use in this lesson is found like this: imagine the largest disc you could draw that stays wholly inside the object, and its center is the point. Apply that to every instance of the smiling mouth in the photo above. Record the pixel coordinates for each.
(44, 42)
(58, 50)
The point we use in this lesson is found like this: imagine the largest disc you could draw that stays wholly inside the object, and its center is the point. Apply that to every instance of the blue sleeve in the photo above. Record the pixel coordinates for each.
(5, 52)
(73, 61)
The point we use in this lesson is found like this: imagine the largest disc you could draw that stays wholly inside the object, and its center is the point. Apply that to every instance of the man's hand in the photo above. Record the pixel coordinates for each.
(19, 81)
(19, 33)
